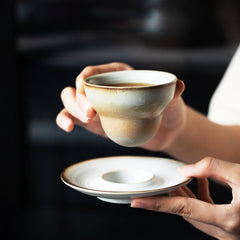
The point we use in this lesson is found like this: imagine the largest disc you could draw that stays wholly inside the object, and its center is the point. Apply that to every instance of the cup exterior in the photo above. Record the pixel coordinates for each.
(130, 116)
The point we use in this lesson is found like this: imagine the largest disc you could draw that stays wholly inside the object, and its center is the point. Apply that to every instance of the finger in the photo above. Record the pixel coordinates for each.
(85, 106)
(103, 68)
(183, 206)
(64, 120)
(95, 126)
(183, 191)
(188, 192)
(207, 228)
(69, 100)
(180, 87)
(203, 190)
(178, 192)
(215, 168)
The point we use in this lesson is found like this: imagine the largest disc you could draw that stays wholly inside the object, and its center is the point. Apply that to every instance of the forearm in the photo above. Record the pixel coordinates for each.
(200, 137)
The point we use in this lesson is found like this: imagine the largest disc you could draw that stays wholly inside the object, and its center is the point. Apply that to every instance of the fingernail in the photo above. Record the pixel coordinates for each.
(83, 117)
(88, 110)
(186, 170)
(86, 107)
(66, 124)
(137, 204)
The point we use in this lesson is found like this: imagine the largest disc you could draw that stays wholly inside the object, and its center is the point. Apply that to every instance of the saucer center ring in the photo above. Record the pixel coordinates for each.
(128, 176)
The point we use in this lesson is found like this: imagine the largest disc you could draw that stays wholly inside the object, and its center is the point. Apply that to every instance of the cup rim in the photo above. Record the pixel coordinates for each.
(87, 80)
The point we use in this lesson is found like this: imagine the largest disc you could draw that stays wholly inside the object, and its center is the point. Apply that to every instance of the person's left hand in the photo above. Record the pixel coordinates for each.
(221, 221)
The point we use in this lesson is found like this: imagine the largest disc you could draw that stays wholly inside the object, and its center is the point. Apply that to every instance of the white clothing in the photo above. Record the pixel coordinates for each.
(224, 106)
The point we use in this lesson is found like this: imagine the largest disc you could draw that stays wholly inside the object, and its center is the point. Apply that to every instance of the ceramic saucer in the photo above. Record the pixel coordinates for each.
(122, 178)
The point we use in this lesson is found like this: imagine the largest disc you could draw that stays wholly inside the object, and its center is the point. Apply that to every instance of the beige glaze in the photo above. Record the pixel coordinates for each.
(130, 115)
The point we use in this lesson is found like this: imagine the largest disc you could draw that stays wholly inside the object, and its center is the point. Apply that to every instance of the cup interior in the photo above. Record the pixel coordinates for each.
(145, 78)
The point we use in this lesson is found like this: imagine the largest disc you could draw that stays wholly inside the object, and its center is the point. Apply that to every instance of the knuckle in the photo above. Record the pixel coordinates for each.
(121, 66)
(116, 65)
(232, 225)
(78, 80)
(237, 169)
(178, 207)
(183, 209)
(207, 163)
(156, 207)
(88, 68)
(232, 220)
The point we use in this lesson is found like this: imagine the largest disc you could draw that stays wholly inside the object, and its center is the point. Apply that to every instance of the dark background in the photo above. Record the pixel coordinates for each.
(44, 45)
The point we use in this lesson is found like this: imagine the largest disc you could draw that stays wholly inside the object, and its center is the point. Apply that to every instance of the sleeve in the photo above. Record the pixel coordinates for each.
(224, 106)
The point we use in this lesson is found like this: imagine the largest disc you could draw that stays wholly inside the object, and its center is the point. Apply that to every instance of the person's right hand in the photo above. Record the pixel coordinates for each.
(77, 110)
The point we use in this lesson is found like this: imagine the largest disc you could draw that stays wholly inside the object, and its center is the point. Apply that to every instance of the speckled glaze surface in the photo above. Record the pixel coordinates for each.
(130, 115)
(120, 179)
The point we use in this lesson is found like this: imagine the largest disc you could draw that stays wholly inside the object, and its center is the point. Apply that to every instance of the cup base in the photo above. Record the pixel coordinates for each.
(130, 132)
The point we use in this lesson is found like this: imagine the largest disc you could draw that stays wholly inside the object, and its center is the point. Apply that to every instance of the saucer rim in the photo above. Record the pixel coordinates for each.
(118, 192)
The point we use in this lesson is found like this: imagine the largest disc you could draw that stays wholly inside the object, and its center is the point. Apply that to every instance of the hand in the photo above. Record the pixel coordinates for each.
(220, 221)
(77, 110)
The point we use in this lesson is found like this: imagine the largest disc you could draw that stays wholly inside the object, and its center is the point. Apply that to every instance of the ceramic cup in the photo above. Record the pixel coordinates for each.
(130, 103)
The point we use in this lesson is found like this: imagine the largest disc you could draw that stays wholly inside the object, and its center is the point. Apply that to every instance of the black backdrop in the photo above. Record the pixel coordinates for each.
(44, 45)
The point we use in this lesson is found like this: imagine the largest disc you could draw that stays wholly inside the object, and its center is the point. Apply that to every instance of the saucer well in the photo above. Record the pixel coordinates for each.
(122, 178)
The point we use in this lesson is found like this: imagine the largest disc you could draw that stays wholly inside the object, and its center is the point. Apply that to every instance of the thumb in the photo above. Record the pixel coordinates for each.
(211, 167)
(180, 87)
